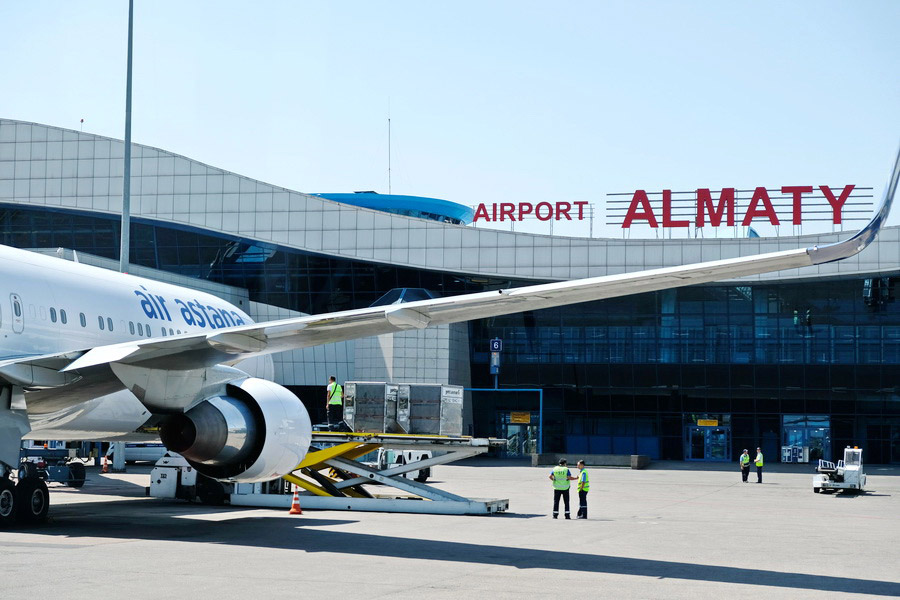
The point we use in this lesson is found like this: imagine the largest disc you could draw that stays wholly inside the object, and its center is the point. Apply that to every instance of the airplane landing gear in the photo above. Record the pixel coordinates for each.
(27, 502)
(7, 503)
(33, 500)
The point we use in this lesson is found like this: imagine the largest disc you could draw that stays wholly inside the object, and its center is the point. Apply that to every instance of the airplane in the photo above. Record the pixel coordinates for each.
(90, 354)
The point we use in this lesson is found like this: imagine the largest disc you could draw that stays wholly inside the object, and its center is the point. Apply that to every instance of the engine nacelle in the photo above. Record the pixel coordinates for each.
(258, 431)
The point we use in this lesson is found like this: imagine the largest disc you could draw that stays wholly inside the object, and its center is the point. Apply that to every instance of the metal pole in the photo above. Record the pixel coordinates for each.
(118, 465)
(126, 187)
(541, 422)
(389, 151)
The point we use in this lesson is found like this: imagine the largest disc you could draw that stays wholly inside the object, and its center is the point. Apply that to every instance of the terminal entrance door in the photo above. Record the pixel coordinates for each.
(707, 443)
(521, 432)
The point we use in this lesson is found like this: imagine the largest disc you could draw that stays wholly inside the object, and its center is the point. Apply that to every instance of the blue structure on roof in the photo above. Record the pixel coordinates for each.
(411, 206)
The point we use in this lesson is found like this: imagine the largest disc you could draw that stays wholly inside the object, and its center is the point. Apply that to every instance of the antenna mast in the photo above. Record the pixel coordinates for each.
(389, 152)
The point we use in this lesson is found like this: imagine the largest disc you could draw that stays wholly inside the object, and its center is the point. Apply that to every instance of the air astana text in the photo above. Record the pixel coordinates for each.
(717, 210)
(193, 312)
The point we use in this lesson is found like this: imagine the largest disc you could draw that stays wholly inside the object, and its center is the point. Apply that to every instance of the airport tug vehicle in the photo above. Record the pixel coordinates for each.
(847, 474)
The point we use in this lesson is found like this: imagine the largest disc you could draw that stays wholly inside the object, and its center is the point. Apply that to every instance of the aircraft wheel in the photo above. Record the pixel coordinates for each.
(76, 474)
(817, 490)
(33, 499)
(7, 502)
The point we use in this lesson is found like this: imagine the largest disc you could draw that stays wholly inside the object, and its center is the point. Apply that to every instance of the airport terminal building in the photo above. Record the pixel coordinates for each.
(801, 362)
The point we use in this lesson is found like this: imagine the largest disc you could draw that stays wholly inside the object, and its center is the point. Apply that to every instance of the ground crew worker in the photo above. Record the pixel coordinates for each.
(584, 485)
(759, 465)
(745, 465)
(561, 476)
(334, 403)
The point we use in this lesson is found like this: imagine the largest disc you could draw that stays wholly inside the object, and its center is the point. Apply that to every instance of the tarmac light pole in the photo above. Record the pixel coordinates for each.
(125, 246)
(540, 447)
(125, 236)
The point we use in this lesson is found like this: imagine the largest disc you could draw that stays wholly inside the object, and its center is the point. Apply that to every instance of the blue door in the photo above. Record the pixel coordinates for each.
(707, 443)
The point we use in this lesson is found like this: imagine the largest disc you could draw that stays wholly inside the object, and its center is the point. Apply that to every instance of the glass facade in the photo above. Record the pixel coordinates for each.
(630, 375)
(301, 281)
(639, 374)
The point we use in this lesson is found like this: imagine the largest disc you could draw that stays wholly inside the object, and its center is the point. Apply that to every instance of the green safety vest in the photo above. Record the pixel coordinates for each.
(584, 484)
(336, 392)
(745, 460)
(759, 459)
(560, 478)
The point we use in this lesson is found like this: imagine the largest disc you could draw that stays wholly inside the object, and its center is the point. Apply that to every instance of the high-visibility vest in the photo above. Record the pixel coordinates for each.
(560, 478)
(745, 460)
(759, 459)
(335, 396)
(584, 484)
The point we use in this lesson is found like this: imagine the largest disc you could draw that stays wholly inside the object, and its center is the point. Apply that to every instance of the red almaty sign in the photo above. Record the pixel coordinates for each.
(721, 211)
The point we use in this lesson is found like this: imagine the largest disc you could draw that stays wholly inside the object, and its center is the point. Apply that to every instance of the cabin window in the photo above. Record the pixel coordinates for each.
(131, 327)
(164, 331)
(140, 328)
(100, 321)
(52, 315)
(17, 308)
(109, 322)
(148, 331)
(62, 317)
(171, 332)
(83, 319)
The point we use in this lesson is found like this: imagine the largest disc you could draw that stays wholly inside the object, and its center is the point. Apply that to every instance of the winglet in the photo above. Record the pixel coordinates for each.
(864, 237)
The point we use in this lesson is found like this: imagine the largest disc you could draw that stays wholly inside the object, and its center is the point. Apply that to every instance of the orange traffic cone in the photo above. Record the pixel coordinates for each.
(295, 504)
(105, 468)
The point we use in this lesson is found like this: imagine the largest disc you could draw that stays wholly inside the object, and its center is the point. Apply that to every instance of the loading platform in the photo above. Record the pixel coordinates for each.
(332, 476)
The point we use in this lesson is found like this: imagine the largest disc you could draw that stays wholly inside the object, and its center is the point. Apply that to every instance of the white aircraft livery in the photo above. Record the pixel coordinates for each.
(90, 354)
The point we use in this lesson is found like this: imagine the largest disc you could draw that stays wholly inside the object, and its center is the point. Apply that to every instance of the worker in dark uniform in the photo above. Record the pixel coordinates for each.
(584, 486)
(561, 476)
(759, 465)
(745, 465)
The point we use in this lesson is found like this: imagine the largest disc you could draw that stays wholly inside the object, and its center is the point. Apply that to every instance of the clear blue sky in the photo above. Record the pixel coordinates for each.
(490, 101)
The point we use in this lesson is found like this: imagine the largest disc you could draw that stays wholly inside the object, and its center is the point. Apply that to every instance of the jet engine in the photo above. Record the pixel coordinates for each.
(256, 431)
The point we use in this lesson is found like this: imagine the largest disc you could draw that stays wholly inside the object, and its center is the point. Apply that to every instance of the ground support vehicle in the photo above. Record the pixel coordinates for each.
(52, 462)
(847, 474)
(332, 477)
(387, 458)
(138, 452)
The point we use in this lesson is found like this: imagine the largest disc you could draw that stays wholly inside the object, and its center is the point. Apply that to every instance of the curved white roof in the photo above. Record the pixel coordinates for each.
(49, 166)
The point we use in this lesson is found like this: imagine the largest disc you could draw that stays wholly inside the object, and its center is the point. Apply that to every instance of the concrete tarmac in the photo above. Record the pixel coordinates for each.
(675, 530)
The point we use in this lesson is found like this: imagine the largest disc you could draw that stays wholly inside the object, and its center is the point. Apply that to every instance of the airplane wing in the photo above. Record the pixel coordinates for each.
(133, 362)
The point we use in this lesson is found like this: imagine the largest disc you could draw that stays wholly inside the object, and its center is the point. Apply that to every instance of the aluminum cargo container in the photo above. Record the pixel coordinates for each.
(371, 407)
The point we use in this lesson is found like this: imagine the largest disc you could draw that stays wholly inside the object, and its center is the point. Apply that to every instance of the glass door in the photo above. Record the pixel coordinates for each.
(696, 444)
(805, 438)
(521, 437)
(717, 445)
(707, 443)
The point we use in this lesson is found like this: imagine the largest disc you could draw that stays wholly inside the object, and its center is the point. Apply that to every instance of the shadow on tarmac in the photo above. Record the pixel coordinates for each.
(87, 520)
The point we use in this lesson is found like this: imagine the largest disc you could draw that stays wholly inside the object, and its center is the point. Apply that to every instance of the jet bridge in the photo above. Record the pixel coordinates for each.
(333, 477)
